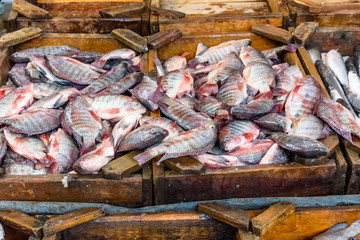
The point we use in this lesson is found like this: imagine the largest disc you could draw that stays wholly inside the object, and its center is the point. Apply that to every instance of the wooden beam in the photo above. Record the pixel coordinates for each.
(131, 39)
(303, 31)
(271, 32)
(185, 165)
(243, 235)
(125, 10)
(29, 10)
(162, 39)
(122, 166)
(165, 13)
(19, 36)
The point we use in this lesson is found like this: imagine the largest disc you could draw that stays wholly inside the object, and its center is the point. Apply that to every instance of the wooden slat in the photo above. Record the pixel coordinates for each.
(19, 36)
(56, 236)
(75, 1)
(13, 15)
(166, 13)
(147, 186)
(159, 182)
(340, 179)
(303, 31)
(163, 39)
(274, 33)
(121, 167)
(29, 10)
(353, 185)
(243, 235)
(131, 39)
(185, 165)
(123, 10)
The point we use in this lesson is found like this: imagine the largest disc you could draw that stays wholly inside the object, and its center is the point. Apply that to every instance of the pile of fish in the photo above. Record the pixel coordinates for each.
(67, 110)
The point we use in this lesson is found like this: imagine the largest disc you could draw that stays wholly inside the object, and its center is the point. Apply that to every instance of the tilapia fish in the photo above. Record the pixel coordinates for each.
(286, 81)
(259, 76)
(23, 56)
(3, 145)
(249, 54)
(62, 151)
(16, 101)
(175, 63)
(233, 92)
(143, 92)
(253, 152)
(80, 120)
(302, 146)
(227, 67)
(124, 53)
(219, 161)
(115, 107)
(193, 142)
(237, 133)
(5, 90)
(274, 122)
(33, 122)
(143, 137)
(272, 54)
(340, 231)
(353, 90)
(187, 100)
(124, 127)
(314, 54)
(275, 155)
(311, 126)
(71, 69)
(204, 89)
(18, 76)
(278, 68)
(339, 118)
(176, 83)
(302, 98)
(255, 108)
(213, 108)
(335, 62)
(85, 57)
(124, 84)
(42, 90)
(33, 73)
(171, 126)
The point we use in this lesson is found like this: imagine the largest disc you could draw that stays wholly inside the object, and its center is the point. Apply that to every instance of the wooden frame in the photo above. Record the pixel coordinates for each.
(344, 40)
(132, 191)
(294, 179)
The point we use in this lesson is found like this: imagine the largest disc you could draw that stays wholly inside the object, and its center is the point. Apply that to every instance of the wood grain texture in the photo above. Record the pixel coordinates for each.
(353, 159)
(271, 217)
(71, 219)
(123, 10)
(121, 167)
(19, 36)
(274, 33)
(22, 222)
(185, 165)
(29, 10)
(303, 31)
(131, 39)
(156, 42)
(13, 15)
(56, 236)
(341, 171)
(165, 13)
(235, 217)
(316, 6)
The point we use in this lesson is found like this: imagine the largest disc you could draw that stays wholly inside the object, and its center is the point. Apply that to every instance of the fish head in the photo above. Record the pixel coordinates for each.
(158, 132)
(136, 107)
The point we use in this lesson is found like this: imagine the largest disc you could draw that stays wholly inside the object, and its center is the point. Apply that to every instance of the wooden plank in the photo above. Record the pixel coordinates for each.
(355, 147)
(56, 236)
(353, 159)
(235, 217)
(131, 39)
(243, 235)
(271, 217)
(121, 167)
(293, 59)
(147, 185)
(310, 6)
(166, 13)
(158, 182)
(272, 32)
(19, 36)
(185, 165)
(164, 39)
(29, 10)
(71, 219)
(123, 10)
(13, 15)
(157, 35)
(21, 222)
(340, 179)
(85, 1)
(303, 31)
(274, 5)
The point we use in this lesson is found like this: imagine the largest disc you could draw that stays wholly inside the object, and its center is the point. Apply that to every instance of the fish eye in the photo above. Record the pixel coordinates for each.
(152, 130)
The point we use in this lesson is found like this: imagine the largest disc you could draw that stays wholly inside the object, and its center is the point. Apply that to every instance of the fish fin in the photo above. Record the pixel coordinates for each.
(279, 92)
(100, 63)
(144, 157)
(159, 66)
(163, 158)
(278, 106)
(158, 96)
(326, 131)
(193, 63)
(185, 54)
(291, 48)
(47, 160)
(264, 95)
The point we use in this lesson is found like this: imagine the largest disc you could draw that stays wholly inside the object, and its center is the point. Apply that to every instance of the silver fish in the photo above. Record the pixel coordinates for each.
(124, 127)
(275, 155)
(42, 90)
(340, 231)
(143, 92)
(335, 62)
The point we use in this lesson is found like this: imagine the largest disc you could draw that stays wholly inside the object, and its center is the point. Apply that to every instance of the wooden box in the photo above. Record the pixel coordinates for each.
(344, 40)
(76, 16)
(132, 191)
(220, 16)
(294, 179)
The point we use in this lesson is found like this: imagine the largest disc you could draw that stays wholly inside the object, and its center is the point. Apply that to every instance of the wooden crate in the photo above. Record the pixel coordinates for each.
(294, 179)
(76, 16)
(343, 39)
(132, 191)
(218, 17)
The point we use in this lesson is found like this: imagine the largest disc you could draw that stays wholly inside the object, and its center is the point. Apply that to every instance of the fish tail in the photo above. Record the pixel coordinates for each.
(184, 54)
(193, 63)
(264, 95)
(158, 96)
(146, 156)
(100, 63)
(291, 48)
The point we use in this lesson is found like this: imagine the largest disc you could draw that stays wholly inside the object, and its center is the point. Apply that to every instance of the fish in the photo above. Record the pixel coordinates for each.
(176, 83)
(340, 231)
(350, 66)
(187, 100)
(165, 123)
(42, 90)
(302, 98)
(31, 148)
(62, 151)
(335, 95)
(33, 122)
(3, 146)
(357, 58)
(193, 142)
(159, 67)
(249, 54)
(227, 67)
(80, 121)
(274, 122)
(5, 90)
(335, 62)
(204, 89)
(218, 161)
(233, 92)
(175, 63)
(213, 108)
(275, 155)
(353, 90)
(82, 56)
(314, 54)
(255, 108)
(302, 146)
(71, 70)
(25, 167)
(310, 126)
(124, 127)
(16, 101)
(24, 55)
(17, 74)
(237, 133)
(272, 54)
(123, 53)
(55, 100)
(200, 48)
(278, 68)
(142, 137)
(107, 79)
(259, 76)
(216, 53)
(115, 107)
(40, 65)
(94, 160)
(33, 73)
(253, 152)
(143, 92)
(339, 118)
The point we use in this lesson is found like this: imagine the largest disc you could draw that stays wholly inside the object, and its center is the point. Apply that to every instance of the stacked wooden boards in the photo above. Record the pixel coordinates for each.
(134, 190)
(69, 16)
(344, 40)
(301, 178)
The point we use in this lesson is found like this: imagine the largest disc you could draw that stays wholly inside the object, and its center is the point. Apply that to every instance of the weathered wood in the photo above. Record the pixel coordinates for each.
(355, 146)
(243, 235)
(29, 10)
(123, 11)
(71, 219)
(353, 159)
(147, 186)
(13, 15)
(56, 236)
(303, 31)
(316, 6)
(158, 182)
(157, 35)
(121, 167)
(274, 33)
(21, 222)
(271, 216)
(164, 39)
(185, 165)
(83, 1)
(19, 36)
(166, 13)
(235, 217)
(341, 171)
(131, 39)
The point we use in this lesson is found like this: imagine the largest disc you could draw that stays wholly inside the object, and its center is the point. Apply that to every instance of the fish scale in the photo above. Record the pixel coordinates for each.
(211, 106)
(176, 83)
(16, 101)
(123, 84)
(164, 123)
(254, 108)
(259, 76)
(252, 152)
(233, 92)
